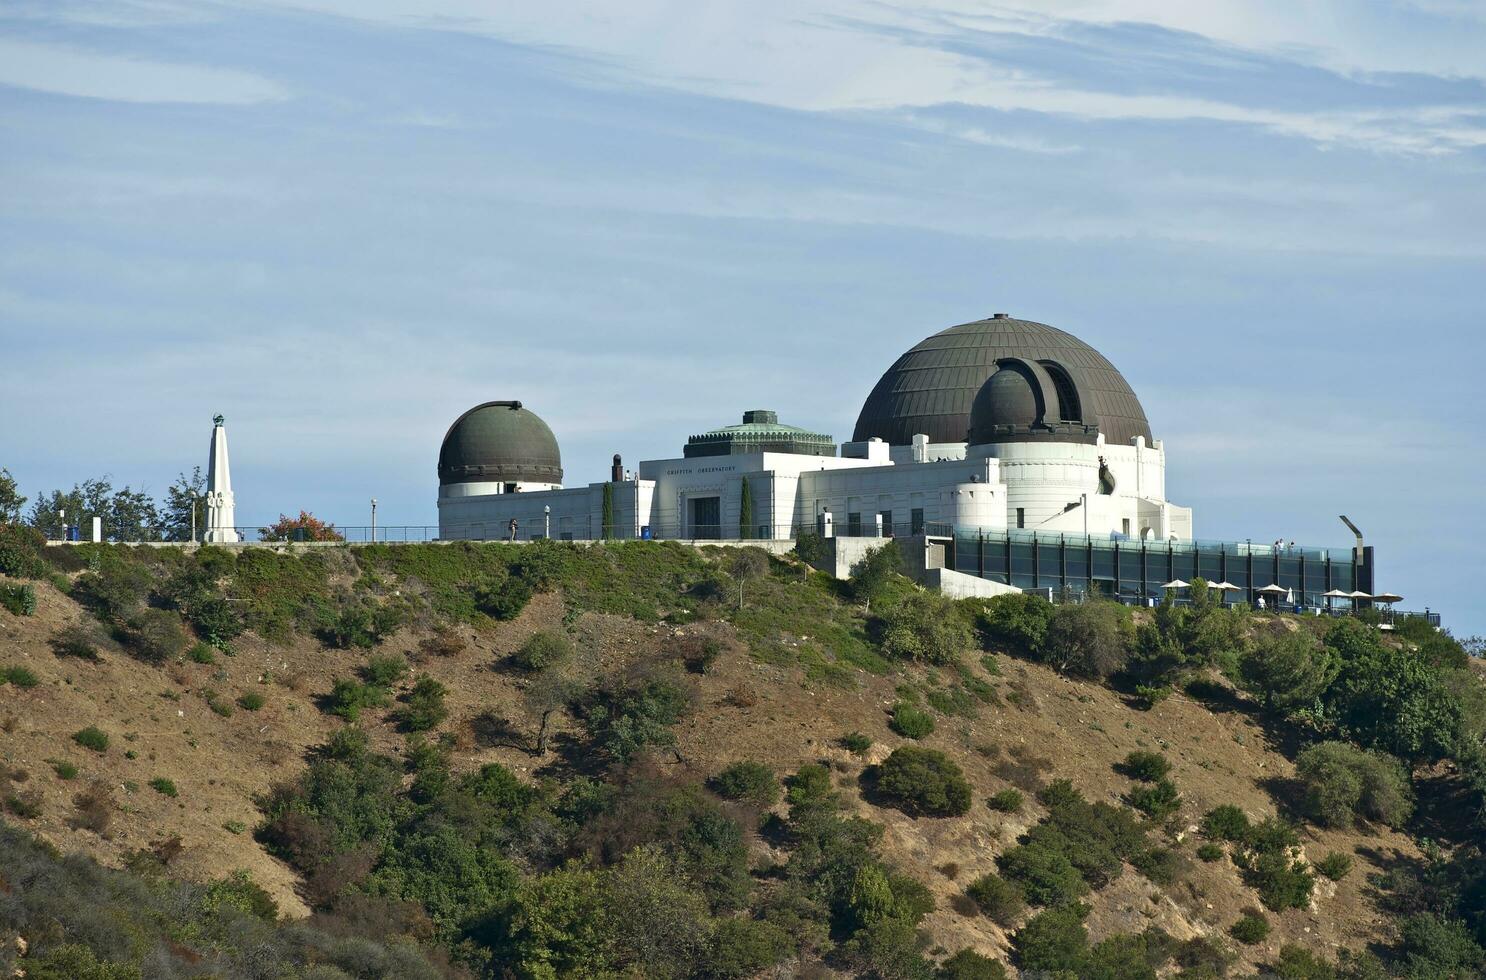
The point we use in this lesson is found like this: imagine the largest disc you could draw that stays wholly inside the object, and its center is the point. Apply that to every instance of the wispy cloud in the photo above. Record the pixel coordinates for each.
(90, 74)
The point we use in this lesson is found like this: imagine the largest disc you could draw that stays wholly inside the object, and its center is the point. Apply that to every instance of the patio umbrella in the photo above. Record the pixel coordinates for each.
(1388, 597)
(1276, 589)
(1336, 594)
(1224, 587)
(1177, 583)
(1359, 595)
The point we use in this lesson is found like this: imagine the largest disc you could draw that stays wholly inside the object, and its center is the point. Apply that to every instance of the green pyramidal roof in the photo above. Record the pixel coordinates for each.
(761, 432)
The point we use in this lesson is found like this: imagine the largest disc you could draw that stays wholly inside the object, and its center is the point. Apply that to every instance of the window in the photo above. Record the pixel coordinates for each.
(854, 524)
(1021, 517)
(510, 488)
(1125, 526)
(916, 516)
(887, 523)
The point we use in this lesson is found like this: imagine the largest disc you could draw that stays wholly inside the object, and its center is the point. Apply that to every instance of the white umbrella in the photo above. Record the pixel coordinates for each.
(1388, 597)
(1224, 587)
(1277, 589)
(1359, 595)
(1336, 594)
(1290, 596)
(1177, 583)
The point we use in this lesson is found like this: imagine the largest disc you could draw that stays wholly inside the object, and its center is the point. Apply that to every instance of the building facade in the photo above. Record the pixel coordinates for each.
(996, 425)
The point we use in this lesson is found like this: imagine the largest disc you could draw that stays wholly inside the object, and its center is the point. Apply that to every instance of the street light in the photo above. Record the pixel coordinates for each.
(547, 521)
(62, 520)
(374, 521)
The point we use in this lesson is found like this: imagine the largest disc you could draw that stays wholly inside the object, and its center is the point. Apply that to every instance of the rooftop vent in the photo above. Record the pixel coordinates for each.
(998, 316)
(760, 416)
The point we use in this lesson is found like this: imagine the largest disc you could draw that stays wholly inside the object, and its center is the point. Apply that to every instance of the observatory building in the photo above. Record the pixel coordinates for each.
(991, 426)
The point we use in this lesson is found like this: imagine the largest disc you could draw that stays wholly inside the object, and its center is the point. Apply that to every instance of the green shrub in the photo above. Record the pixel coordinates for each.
(81, 639)
(1044, 871)
(1157, 801)
(856, 742)
(1281, 881)
(63, 768)
(967, 964)
(155, 636)
(1016, 621)
(1054, 940)
(744, 947)
(91, 738)
(19, 599)
(1335, 865)
(19, 676)
(748, 782)
(164, 787)
(543, 649)
(1148, 767)
(1210, 852)
(1345, 784)
(384, 671)
(1006, 801)
(202, 653)
(924, 626)
(251, 701)
(1002, 900)
(1089, 640)
(234, 826)
(924, 781)
(1226, 822)
(1251, 928)
(423, 706)
(1288, 672)
(1298, 963)
(624, 720)
(218, 706)
(26, 805)
(910, 721)
(349, 697)
(20, 551)
(1158, 864)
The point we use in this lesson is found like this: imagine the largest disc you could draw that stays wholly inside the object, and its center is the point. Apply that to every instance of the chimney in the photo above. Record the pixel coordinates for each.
(616, 475)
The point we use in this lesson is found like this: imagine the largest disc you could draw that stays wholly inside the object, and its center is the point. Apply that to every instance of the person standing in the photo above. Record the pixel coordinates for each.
(512, 529)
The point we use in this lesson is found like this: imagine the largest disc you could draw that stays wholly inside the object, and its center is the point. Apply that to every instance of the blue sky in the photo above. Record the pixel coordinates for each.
(342, 222)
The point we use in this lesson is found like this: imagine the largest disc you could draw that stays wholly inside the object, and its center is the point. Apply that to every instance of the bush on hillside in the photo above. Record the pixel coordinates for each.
(1016, 621)
(385, 671)
(1335, 865)
(926, 627)
(349, 697)
(423, 707)
(910, 721)
(1089, 640)
(20, 551)
(998, 898)
(1157, 800)
(19, 600)
(22, 677)
(81, 639)
(876, 576)
(543, 649)
(1288, 672)
(91, 737)
(967, 964)
(925, 781)
(625, 718)
(1252, 927)
(155, 636)
(1226, 822)
(856, 742)
(1148, 767)
(1345, 784)
(1005, 801)
(748, 782)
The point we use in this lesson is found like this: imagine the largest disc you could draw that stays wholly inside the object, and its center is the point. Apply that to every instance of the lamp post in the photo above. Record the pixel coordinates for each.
(547, 521)
(194, 499)
(374, 521)
(62, 520)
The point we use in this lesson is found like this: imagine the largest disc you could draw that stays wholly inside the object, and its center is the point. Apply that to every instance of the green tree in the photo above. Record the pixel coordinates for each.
(874, 576)
(745, 510)
(1088, 640)
(660, 923)
(924, 781)
(1389, 698)
(1289, 672)
(745, 564)
(1017, 620)
(12, 504)
(187, 495)
(924, 626)
(559, 926)
(1345, 784)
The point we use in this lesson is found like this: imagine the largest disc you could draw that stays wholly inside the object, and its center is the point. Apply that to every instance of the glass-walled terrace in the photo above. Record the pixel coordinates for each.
(1134, 570)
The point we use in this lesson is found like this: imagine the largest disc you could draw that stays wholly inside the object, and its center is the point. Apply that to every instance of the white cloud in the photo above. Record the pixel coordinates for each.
(70, 71)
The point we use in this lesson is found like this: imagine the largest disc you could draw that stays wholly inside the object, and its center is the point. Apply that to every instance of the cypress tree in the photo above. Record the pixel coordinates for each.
(745, 512)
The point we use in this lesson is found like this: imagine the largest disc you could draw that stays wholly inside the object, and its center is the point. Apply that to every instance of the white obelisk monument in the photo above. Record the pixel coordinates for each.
(219, 514)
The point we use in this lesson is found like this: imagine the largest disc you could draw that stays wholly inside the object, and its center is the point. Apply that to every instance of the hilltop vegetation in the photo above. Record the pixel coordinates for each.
(643, 759)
